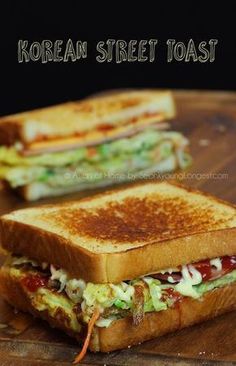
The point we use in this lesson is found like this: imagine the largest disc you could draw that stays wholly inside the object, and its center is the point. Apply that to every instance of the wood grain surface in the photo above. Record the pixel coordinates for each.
(209, 120)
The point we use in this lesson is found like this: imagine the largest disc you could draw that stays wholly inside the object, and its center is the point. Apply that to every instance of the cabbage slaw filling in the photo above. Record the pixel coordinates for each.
(89, 164)
(51, 288)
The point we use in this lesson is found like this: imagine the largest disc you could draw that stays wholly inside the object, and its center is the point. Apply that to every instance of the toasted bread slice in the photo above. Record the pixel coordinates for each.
(88, 121)
(92, 137)
(126, 233)
(122, 333)
(37, 190)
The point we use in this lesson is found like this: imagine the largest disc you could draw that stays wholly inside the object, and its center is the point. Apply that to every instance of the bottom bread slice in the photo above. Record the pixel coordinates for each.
(36, 190)
(123, 333)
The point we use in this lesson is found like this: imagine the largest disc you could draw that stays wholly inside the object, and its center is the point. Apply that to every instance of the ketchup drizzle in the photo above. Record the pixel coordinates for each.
(33, 282)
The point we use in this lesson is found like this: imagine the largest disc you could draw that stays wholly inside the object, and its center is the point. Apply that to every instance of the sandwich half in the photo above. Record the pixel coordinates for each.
(122, 267)
(90, 143)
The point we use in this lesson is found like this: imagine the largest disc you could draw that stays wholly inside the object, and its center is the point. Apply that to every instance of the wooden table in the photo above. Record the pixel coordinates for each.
(209, 120)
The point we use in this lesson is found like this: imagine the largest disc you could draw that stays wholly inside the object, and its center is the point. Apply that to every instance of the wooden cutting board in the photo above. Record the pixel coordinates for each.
(209, 120)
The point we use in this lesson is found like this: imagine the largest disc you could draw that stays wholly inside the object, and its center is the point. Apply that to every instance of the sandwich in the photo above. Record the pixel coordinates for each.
(90, 143)
(122, 267)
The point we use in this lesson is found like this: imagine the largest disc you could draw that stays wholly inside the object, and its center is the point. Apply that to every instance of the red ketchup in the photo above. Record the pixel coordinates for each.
(208, 272)
(170, 293)
(105, 127)
(33, 282)
(92, 151)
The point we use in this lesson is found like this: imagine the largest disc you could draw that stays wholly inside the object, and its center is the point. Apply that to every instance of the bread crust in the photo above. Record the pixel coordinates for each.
(86, 119)
(13, 292)
(114, 267)
(46, 246)
(122, 333)
(37, 190)
(93, 137)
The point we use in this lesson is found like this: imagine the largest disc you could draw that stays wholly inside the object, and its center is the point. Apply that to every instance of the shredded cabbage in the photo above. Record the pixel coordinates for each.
(60, 275)
(116, 296)
(74, 289)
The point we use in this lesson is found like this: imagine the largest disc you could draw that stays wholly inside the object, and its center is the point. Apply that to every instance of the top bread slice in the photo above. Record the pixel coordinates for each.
(87, 121)
(123, 234)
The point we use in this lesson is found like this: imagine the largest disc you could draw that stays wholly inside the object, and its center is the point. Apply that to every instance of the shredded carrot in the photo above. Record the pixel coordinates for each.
(92, 151)
(91, 324)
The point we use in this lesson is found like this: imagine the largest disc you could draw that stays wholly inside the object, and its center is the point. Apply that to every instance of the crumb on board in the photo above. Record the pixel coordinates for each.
(204, 142)
(3, 326)
(221, 128)
(202, 353)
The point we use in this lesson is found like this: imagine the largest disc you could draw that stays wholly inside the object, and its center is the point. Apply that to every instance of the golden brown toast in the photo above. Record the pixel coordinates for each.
(124, 233)
(85, 122)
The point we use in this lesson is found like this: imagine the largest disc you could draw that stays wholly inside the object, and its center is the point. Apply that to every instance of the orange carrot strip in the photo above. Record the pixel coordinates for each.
(91, 324)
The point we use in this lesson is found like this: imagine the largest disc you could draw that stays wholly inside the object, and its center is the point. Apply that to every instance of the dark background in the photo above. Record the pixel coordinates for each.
(30, 85)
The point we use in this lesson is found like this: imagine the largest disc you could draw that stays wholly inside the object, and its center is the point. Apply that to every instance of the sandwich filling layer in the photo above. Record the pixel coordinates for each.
(164, 150)
(53, 290)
